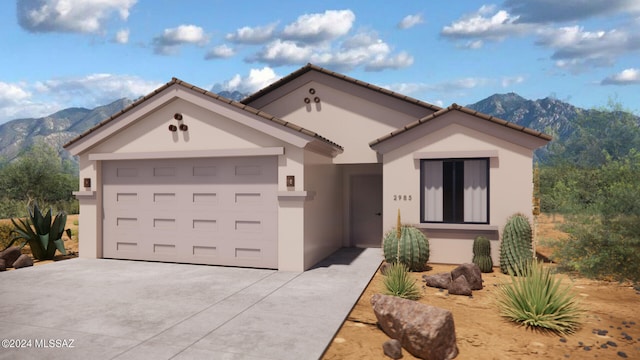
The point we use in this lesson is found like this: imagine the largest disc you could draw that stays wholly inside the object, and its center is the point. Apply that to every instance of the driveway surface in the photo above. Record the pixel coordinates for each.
(118, 309)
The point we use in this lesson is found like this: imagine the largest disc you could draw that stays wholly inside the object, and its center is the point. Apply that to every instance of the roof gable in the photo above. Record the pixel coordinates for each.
(348, 80)
(381, 143)
(144, 105)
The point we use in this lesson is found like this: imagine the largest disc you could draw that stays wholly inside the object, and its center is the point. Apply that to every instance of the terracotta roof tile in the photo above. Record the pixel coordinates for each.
(463, 109)
(176, 81)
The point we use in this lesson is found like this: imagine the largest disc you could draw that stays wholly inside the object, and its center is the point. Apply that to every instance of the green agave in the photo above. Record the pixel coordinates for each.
(398, 282)
(536, 299)
(43, 236)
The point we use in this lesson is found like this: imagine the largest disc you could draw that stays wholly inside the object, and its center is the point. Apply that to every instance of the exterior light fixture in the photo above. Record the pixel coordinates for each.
(316, 99)
(312, 91)
(173, 128)
(177, 116)
(86, 182)
(307, 100)
(184, 127)
(291, 181)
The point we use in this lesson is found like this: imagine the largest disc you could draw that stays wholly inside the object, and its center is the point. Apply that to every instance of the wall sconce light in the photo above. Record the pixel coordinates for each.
(86, 182)
(177, 116)
(173, 128)
(184, 127)
(291, 181)
(312, 91)
(307, 100)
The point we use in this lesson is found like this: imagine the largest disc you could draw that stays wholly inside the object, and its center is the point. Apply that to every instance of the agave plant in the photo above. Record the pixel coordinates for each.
(42, 235)
(398, 282)
(536, 299)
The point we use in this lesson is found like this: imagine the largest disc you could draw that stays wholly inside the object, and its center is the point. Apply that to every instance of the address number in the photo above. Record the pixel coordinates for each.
(401, 197)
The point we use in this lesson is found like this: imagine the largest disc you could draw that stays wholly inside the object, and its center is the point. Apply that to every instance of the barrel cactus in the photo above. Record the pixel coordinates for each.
(406, 245)
(482, 254)
(515, 249)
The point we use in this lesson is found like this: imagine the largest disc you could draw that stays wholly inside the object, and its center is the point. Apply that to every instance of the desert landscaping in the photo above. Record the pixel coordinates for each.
(610, 327)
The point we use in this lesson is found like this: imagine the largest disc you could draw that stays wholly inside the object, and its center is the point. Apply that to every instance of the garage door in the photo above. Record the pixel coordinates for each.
(219, 211)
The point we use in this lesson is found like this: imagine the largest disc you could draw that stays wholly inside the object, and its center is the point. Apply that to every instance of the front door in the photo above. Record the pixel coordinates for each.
(366, 210)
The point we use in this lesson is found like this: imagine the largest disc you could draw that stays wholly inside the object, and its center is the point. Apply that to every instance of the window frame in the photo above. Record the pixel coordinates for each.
(454, 160)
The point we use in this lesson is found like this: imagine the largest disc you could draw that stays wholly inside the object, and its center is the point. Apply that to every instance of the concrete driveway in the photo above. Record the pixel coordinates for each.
(117, 309)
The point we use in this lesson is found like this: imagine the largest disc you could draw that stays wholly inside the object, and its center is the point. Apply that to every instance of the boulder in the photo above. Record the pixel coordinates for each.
(23, 261)
(3, 265)
(384, 268)
(392, 348)
(426, 331)
(10, 255)
(441, 280)
(460, 286)
(471, 272)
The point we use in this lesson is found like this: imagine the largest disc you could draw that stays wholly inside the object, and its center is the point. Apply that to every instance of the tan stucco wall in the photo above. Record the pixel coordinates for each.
(510, 183)
(323, 213)
(207, 131)
(350, 119)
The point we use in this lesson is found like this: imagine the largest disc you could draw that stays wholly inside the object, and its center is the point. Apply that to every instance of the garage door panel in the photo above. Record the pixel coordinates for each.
(210, 211)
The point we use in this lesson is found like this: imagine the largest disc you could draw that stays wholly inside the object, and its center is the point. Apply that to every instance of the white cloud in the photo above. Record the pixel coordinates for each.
(410, 21)
(220, 52)
(510, 81)
(256, 80)
(399, 61)
(319, 27)
(485, 24)
(279, 52)
(122, 36)
(252, 35)
(94, 89)
(578, 50)
(171, 39)
(629, 76)
(81, 16)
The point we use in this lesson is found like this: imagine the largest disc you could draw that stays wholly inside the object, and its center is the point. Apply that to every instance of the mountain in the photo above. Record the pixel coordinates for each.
(56, 129)
(548, 115)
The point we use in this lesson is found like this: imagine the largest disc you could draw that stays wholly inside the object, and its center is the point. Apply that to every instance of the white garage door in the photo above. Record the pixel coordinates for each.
(220, 211)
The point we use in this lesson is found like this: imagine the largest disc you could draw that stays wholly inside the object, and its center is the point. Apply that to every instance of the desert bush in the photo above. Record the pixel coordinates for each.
(536, 299)
(398, 282)
(5, 233)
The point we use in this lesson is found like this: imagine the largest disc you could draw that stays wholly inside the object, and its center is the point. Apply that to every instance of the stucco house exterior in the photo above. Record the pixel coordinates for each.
(313, 162)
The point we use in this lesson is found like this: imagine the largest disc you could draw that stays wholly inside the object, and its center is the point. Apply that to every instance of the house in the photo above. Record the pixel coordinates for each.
(314, 162)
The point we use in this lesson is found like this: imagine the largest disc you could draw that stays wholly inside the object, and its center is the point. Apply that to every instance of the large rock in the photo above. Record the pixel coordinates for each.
(460, 286)
(441, 280)
(23, 261)
(392, 348)
(10, 255)
(471, 272)
(3, 265)
(425, 331)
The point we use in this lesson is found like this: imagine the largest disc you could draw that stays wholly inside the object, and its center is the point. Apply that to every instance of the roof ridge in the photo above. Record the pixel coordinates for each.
(463, 109)
(240, 105)
(309, 66)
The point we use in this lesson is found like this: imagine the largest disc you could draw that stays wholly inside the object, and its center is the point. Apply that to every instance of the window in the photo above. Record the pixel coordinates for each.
(454, 191)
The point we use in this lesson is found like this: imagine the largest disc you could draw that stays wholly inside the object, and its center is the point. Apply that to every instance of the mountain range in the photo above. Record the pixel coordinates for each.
(548, 115)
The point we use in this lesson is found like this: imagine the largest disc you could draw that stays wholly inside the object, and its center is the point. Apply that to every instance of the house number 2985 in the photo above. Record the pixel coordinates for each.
(401, 197)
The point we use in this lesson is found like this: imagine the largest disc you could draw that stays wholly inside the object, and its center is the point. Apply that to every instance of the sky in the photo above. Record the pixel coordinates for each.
(86, 53)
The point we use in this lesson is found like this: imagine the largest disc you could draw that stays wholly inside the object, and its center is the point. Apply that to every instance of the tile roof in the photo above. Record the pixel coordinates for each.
(466, 110)
(310, 67)
(176, 81)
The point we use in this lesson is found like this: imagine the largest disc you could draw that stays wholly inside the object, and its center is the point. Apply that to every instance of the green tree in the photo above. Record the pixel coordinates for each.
(38, 175)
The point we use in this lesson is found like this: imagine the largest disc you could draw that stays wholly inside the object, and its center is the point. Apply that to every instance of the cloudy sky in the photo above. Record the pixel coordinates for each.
(63, 53)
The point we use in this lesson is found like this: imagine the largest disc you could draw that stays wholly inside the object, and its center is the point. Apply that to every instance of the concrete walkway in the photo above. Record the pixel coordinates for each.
(117, 309)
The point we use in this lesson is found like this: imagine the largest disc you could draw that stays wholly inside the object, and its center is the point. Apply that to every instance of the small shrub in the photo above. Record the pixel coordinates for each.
(536, 299)
(397, 282)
